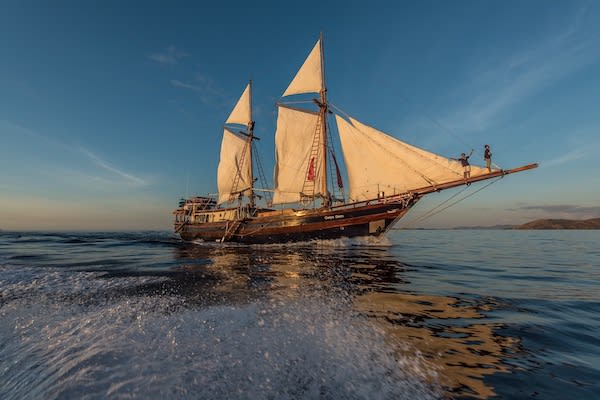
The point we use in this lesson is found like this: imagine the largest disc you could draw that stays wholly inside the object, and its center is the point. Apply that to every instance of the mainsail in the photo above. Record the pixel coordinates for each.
(295, 164)
(376, 162)
(234, 163)
(234, 174)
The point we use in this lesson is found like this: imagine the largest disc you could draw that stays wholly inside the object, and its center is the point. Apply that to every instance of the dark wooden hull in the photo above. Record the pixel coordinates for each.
(292, 226)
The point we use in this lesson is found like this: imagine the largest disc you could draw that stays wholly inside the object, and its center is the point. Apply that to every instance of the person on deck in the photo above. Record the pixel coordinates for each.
(464, 160)
(487, 156)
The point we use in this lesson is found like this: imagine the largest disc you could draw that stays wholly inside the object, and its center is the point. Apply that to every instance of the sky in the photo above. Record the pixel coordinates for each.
(111, 111)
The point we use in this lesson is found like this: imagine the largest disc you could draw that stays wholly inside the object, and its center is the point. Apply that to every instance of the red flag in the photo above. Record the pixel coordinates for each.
(311, 170)
(340, 182)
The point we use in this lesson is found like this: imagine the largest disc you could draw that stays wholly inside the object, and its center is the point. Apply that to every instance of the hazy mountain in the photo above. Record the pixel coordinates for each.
(593, 223)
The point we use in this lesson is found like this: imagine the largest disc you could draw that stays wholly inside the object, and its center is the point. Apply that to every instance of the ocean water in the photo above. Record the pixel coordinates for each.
(417, 315)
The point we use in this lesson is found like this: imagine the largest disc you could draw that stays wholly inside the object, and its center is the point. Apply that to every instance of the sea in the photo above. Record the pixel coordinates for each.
(420, 314)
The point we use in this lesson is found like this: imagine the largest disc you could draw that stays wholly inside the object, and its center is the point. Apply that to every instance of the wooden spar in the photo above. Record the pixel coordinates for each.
(460, 182)
(250, 144)
(323, 113)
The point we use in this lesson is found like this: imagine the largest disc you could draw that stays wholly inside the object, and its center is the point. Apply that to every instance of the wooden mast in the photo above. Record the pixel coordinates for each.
(323, 116)
(250, 144)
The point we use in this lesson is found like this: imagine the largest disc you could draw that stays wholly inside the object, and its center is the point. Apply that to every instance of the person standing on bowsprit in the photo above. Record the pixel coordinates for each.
(487, 156)
(464, 160)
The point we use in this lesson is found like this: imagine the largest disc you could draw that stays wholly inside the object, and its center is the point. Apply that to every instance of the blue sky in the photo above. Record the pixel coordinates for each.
(110, 112)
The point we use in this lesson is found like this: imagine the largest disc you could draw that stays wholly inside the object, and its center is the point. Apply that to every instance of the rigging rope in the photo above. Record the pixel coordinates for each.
(431, 212)
(298, 102)
(444, 128)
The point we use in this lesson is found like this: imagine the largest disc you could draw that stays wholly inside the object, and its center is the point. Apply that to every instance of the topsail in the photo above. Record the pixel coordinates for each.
(241, 113)
(309, 78)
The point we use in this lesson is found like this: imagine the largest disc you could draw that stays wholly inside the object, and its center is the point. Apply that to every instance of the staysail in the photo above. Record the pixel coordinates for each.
(295, 162)
(309, 78)
(376, 162)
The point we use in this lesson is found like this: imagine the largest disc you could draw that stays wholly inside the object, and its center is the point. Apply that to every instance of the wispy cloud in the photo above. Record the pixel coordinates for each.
(180, 84)
(501, 85)
(205, 88)
(128, 177)
(168, 57)
(572, 155)
(45, 161)
(563, 210)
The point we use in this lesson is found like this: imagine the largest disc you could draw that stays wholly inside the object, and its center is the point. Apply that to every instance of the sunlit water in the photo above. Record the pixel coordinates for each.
(419, 315)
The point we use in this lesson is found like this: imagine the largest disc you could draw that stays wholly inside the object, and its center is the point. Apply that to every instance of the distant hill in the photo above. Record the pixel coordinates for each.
(593, 223)
(485, 227)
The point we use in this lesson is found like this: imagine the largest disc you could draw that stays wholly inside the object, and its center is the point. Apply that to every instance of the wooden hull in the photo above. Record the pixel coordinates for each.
(300, 225)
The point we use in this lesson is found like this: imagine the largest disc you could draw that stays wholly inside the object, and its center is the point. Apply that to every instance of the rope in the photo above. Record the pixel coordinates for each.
(298, 102)
(431, 212)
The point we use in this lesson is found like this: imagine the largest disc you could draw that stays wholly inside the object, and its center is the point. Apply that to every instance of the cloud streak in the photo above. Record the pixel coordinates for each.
(563, 210)
(501, 88)
(58, 161)
(168, 57)
(128, 177)
(205, 88)
(573, 155)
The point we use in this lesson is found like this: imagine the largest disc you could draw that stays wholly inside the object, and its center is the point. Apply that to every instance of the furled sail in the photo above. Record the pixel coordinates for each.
(309, 78)
(295, 164)
(234, 172)
(241, 113)
(377, 162)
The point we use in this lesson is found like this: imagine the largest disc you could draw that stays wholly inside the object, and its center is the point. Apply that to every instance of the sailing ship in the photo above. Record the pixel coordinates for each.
(386, 177)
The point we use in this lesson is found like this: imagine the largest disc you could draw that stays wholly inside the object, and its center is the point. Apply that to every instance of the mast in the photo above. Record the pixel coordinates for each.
(250, 144)
(323, 116)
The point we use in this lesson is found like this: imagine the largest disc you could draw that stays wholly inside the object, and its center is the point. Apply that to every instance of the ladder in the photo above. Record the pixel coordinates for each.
(308, 188)
(180, 226)
(236, 178)
(231, 230)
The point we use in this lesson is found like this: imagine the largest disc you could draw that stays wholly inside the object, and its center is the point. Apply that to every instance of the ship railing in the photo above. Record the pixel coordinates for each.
(380, 199)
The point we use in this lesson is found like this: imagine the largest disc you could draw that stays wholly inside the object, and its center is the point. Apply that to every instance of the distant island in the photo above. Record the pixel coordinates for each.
(593, 223)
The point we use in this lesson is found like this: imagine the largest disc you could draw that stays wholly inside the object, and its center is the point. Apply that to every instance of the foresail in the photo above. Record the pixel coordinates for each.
(241, 113)
(309, 78)
(234, 163)
(294, 164)
(377, 162)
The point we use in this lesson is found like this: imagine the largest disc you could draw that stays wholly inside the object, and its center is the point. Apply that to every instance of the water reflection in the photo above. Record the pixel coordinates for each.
(454, 335)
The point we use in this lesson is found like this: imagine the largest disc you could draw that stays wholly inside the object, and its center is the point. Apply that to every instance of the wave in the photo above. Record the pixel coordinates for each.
(86, 339)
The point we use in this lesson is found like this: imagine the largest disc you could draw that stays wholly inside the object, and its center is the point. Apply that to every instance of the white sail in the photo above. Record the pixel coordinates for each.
(309, 78)
(234, 162)
(242, 112)
(377, 162)
(296, 169)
